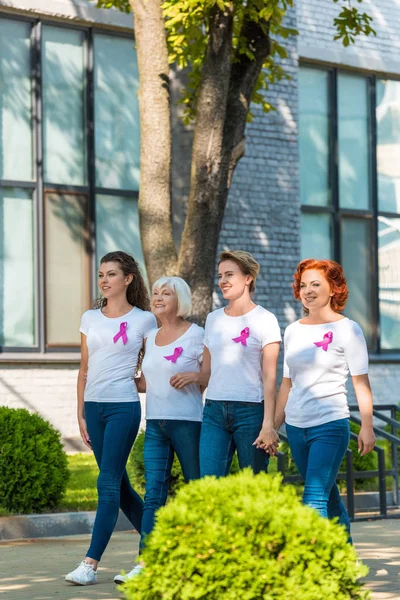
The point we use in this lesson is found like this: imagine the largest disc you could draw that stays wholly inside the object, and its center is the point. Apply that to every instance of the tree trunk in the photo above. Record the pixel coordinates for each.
(219, 143)
(209, 172)
(155, 139)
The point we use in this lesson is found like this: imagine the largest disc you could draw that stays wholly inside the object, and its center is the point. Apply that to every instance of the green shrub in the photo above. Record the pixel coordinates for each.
(33, 464)
(246, 537)
(176, 481)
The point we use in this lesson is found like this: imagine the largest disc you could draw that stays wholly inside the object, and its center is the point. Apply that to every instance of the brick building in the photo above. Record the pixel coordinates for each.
(321, 177)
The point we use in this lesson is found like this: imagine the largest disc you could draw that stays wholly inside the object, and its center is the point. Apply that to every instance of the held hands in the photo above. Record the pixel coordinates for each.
(84, 432)
(366, 440)
(267, 440)
(180, 380)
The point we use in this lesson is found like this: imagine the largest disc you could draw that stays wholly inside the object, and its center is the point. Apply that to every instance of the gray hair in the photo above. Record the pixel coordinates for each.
(180, 289)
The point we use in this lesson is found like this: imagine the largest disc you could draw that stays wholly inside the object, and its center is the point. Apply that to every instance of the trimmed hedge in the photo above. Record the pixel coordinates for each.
(246, 537)
(33, 465)
(176, 481)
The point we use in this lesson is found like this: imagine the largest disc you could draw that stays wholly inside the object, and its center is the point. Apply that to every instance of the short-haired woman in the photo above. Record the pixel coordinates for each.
(240, 356)
(171, 379)
(321, 349)
(109, 412)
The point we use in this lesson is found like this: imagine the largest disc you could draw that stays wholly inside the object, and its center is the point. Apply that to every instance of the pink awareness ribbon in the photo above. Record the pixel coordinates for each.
(244, 334)
(174, 357)
(121, 333)
(326, 340)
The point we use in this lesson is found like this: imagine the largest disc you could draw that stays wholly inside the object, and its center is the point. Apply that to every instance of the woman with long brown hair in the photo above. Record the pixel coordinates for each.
(109, 411)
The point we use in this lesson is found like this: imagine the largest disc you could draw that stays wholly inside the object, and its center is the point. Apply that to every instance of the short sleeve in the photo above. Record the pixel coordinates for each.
(286, 370)
(271, 332)
(84, 328)
(200, 345)
(356, 351)
(206, 341)
(149, 323)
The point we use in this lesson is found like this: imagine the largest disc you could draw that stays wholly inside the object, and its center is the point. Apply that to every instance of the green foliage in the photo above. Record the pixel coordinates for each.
(187, 24)
(33, 464)
(351, 23)
(136, 461)
(245, 537)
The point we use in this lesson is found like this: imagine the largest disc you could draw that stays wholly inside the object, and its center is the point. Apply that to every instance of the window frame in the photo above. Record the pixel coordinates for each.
(39, 187)
(337, 213)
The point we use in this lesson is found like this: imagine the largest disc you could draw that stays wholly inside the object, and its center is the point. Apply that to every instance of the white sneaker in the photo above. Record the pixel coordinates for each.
(83, 575)
(118, 579)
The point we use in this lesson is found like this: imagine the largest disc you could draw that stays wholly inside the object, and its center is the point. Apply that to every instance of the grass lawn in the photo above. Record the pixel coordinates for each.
(81, 491)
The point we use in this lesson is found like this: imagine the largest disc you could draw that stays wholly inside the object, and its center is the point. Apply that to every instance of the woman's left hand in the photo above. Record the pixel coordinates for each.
(267, 440)
(366, 440)
(180, 380)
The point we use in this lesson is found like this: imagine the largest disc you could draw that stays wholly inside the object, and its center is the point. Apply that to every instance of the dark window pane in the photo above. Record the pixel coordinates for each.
(357, 264)
(314, 137)
(67, 267)
(389, 281)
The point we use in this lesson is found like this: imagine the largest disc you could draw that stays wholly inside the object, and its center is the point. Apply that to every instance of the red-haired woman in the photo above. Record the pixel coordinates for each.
(321, 349)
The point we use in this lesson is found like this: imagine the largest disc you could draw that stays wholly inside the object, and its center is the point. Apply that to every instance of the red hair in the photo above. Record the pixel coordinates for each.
(333, 272)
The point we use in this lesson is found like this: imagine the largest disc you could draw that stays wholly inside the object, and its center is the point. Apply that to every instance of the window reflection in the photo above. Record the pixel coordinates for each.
(389, 281)
(388, 145)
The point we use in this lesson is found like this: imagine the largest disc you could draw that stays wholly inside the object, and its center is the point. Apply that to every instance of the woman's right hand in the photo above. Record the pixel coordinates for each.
(84, 432)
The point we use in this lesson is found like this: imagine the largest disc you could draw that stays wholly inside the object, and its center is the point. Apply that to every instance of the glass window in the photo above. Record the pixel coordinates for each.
(67, 267)
(117, 142)
(17, 296)
(353, 132)
(316, 236)
(357, 264)
(63, 106)
(388, 145)
(117, 227)
(389, 281)
(314, 137)
(15, 102)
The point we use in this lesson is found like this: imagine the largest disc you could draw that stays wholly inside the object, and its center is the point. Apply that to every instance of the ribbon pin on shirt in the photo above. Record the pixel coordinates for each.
(326, 340)
(174, 357)
(121, 333)
(244, 334)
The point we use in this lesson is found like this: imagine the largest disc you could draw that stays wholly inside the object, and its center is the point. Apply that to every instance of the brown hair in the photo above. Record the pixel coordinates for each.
(136, 293)
(333, 273)
(246, 263)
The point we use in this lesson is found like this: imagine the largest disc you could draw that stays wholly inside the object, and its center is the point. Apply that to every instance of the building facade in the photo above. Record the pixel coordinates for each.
(321, 177)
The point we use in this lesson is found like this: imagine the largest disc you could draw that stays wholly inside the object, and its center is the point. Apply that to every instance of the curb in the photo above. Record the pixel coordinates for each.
(53, 525)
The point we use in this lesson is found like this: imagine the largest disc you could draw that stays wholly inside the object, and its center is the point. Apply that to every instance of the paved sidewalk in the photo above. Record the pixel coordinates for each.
(34, 569)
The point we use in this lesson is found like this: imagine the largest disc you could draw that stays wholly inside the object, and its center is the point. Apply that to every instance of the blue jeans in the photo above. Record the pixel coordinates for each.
(162, 440)
(229, 426)
(112, 428)
(318, 452)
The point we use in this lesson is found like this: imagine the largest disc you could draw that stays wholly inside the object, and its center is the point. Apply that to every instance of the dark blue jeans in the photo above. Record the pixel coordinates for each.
(112, 428)
(318, 452)
(229, 426)
(162, 440)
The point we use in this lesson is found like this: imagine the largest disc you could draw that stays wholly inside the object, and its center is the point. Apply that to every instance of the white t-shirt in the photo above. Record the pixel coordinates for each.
(235, 345)
(318, 359)
(160, 363)
(112, 364)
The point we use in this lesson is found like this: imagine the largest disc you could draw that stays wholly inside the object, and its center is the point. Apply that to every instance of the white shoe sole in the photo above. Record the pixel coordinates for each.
(78, 583)
(118, 580)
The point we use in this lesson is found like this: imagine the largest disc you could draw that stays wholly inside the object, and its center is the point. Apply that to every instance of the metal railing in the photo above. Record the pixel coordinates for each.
(350, 475)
